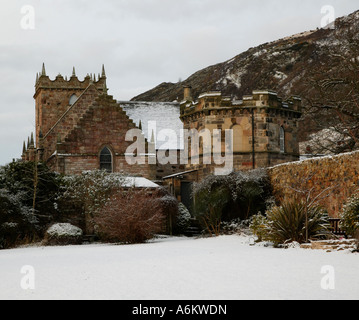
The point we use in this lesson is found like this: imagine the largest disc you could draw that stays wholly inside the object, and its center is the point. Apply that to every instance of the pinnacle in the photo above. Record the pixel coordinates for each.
(32, 143)
(43, 72)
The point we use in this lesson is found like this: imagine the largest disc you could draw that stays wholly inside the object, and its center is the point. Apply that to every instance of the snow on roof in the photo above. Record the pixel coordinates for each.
(139, 182)
(210, 94)
(179, 174)
(166, 115)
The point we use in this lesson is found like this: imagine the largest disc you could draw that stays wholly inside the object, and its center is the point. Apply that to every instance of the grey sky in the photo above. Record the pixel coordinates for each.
(141, 42)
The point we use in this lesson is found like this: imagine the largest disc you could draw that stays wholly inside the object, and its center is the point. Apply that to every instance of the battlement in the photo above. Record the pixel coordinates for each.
(54, 97)
(258, 98)
(44, 82)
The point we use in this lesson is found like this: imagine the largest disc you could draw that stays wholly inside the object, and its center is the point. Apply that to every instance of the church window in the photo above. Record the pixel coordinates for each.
(282, 140)
(106, 159)
(73, 99)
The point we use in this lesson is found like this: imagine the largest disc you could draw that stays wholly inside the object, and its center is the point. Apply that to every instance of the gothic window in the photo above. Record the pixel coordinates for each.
(73, 99)
(106, 159)
(282, 140)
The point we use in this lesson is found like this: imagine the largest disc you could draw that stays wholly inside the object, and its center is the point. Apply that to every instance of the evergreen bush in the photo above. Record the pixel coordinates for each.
(63, 234)
(225, 198)
(183, 220)
(350, 216)
(288, 223)
(27, 202)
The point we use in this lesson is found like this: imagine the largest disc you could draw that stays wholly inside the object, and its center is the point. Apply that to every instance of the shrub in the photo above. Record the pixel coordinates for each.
(183, 220)
(131, 216)
(17, 221)
(251, 191)
(209, 207)
(27, 200)
(287, 223)
(258, 225)
(226, 198)
(169, 207)
(350, 216)
(63, 234)
(232, 227)
(82, 196)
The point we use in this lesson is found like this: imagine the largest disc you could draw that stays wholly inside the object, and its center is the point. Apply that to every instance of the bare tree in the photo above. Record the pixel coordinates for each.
(304, 190)
(333, 103)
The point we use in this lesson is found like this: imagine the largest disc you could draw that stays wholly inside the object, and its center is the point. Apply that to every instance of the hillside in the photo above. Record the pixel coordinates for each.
(284, 65)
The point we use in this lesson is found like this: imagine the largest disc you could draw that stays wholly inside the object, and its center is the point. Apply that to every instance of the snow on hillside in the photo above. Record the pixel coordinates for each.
(223, 268)
(284, 65)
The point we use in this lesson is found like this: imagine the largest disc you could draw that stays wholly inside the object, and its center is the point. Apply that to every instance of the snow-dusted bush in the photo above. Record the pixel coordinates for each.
(130, 217)
(258, 225)
(63, 234)
(231, 227)
(27, 192)
(350, 216)
(18, 222)
(82, 196)
(183, 220)
(226, 198)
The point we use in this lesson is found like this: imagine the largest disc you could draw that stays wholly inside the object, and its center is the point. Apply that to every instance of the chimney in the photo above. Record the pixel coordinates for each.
(187, 93)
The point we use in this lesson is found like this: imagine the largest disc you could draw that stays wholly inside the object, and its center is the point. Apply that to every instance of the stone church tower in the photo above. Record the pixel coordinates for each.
(80, 127)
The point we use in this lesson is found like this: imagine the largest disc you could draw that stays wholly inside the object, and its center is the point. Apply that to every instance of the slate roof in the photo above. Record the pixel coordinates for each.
(165, 115)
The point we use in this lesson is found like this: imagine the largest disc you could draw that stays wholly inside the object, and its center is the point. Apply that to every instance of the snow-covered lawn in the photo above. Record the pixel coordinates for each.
(223, 268)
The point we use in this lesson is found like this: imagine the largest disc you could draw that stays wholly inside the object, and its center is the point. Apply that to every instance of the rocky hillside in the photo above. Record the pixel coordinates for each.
(284, 65)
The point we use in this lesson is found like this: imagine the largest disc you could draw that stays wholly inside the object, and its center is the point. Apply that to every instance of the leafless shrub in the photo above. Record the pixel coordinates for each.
(132, 216)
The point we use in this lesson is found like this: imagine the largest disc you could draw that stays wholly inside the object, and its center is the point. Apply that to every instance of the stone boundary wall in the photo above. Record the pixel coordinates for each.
(332, 178)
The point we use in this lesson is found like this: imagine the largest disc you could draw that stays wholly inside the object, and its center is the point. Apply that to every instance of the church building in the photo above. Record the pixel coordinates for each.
(80, 127)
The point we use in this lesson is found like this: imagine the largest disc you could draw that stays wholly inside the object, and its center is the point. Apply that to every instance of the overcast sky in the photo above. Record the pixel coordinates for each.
(141, 42)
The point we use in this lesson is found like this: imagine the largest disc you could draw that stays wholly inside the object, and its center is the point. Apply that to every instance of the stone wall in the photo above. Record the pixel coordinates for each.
(104, 123)
(333, 179)
(52, 98)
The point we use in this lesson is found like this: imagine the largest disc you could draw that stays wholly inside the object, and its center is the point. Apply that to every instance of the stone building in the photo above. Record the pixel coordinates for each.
(264, 133)
(80, 127)
(265, 128)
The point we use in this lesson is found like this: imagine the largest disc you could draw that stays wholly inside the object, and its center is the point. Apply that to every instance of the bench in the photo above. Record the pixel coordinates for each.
(336, 228)
(89, 238)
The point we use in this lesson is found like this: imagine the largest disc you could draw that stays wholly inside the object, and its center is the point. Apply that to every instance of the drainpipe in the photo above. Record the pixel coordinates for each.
(253, 142)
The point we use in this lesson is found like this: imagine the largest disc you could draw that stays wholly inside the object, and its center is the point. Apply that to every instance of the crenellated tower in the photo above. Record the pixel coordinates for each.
(54, 97)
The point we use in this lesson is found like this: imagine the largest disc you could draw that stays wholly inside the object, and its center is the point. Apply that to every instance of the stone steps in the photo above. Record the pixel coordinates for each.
(332, 245)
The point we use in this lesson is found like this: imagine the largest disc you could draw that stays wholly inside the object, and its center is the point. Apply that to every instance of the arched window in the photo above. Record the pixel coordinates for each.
(237, 138)
(106, 159)
(282, 140)
(73, 99)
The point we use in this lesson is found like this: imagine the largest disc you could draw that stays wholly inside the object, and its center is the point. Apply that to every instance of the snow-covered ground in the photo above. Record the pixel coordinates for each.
(223, 268)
